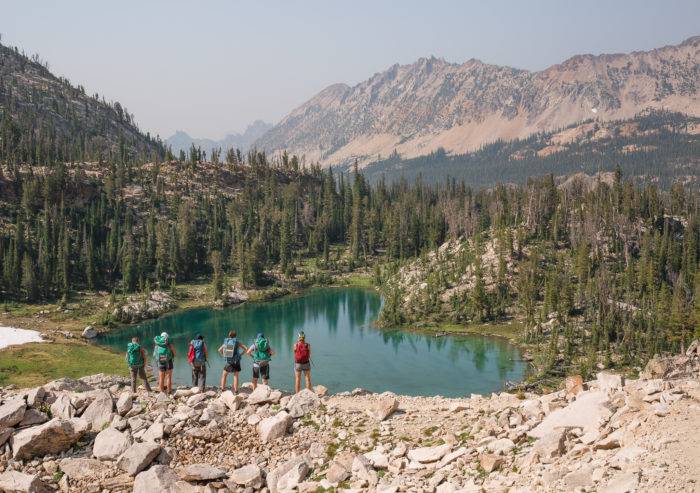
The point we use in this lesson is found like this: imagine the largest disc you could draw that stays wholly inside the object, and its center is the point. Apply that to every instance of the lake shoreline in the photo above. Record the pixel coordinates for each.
(348, 348)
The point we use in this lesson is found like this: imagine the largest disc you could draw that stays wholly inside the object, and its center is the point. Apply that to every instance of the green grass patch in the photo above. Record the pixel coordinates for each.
(35, 364)
(357, 280)
(429, 431)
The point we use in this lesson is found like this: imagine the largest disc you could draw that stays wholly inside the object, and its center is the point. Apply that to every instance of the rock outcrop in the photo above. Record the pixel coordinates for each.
(612, 434)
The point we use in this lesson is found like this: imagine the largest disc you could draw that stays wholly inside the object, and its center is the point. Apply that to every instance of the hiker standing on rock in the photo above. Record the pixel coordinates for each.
(164, 353)
(302, 362)
(136, 359)
(231, 350)
(261, 352)
(198, 357)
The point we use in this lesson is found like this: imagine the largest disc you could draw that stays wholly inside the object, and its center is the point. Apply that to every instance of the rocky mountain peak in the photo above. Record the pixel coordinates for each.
(418, 108)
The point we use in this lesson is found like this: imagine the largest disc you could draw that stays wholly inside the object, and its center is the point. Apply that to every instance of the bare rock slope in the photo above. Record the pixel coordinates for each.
(418, 108)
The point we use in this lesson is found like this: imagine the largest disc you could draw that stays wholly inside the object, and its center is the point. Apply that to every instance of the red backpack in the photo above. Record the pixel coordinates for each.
(301, 352)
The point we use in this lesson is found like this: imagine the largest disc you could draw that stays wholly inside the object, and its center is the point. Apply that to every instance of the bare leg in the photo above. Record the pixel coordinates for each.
(255, 383)
(235, 381)
(307, 377)
(223, 380)
(265, 380)
(170, 381)
(161, 381)
(297, 381)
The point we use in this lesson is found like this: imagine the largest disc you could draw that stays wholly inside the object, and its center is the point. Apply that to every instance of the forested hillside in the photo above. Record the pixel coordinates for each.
(654, 146)
(597, 271)
(45, 119)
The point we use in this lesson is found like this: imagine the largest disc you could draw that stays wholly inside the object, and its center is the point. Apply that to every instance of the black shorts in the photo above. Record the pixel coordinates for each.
(232, 367)
(166, 365)
(261, 371)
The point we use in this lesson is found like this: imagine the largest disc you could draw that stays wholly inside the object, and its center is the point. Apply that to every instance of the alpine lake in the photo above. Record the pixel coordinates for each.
(346, 350)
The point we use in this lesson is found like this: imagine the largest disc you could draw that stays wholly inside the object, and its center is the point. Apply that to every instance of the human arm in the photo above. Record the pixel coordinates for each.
(172, 349)
(243, 347)
(221, 350)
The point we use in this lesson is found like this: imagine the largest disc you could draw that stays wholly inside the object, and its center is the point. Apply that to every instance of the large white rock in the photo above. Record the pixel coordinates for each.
(138, 457)
(53, 437)
(18, 482)
(231, 400)
(12, 412)
(291, 479)
(384, 407)
(62, 407)
(35, 396)
(200, 472)
(125, 402)
(33, 417)
(588, 411)
(249, 476)
(551, 446)
(260, 395)
(622, 482)
(452, 456)
(608, 382)
(153, 433)
(303, 402)
(158, 478)
(362, 469)
(501, 446)
(378, 459)
(341, 467)
(274, 427)
(89, 332)
(78, 469)
(110, 444)
(275, 476)
(429, 454)
(99, 412)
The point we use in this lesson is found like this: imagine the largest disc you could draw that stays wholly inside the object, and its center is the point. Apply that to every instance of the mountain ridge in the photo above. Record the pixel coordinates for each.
(418, 108)
(44, 118)
(181, 140)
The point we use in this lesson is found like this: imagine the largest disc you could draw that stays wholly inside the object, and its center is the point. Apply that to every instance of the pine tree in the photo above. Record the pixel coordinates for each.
(217, 282)
(356, 225)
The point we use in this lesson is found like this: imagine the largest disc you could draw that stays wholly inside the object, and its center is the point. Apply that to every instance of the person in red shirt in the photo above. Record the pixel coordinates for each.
(302, 362)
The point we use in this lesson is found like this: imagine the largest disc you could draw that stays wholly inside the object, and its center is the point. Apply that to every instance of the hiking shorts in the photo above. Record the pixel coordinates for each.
(261, 371)
(167, 366)
(232, 367)
(302, 366)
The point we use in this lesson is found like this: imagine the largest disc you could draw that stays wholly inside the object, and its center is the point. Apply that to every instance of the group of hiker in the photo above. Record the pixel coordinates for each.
(231, 350)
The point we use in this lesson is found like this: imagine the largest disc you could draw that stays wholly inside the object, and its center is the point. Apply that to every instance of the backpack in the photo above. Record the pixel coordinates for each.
(133, 354)
(262, 350)
(199, 355)
(163, 354)
(301, 352)
(231, 353)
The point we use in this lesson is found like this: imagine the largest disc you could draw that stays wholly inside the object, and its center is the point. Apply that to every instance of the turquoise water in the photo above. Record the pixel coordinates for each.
(347, 352)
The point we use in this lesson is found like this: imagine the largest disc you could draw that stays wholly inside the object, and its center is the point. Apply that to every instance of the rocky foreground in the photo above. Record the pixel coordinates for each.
(94, 435)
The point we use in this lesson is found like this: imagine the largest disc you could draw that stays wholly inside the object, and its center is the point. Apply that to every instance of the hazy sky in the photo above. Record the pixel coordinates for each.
(212, 67)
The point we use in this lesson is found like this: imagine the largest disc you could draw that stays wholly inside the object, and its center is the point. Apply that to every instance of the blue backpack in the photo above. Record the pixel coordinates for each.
(199, 355)
(231, 352)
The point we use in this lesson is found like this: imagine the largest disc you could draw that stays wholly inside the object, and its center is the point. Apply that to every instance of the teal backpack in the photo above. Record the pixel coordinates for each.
(133, 354)
(262, 350)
